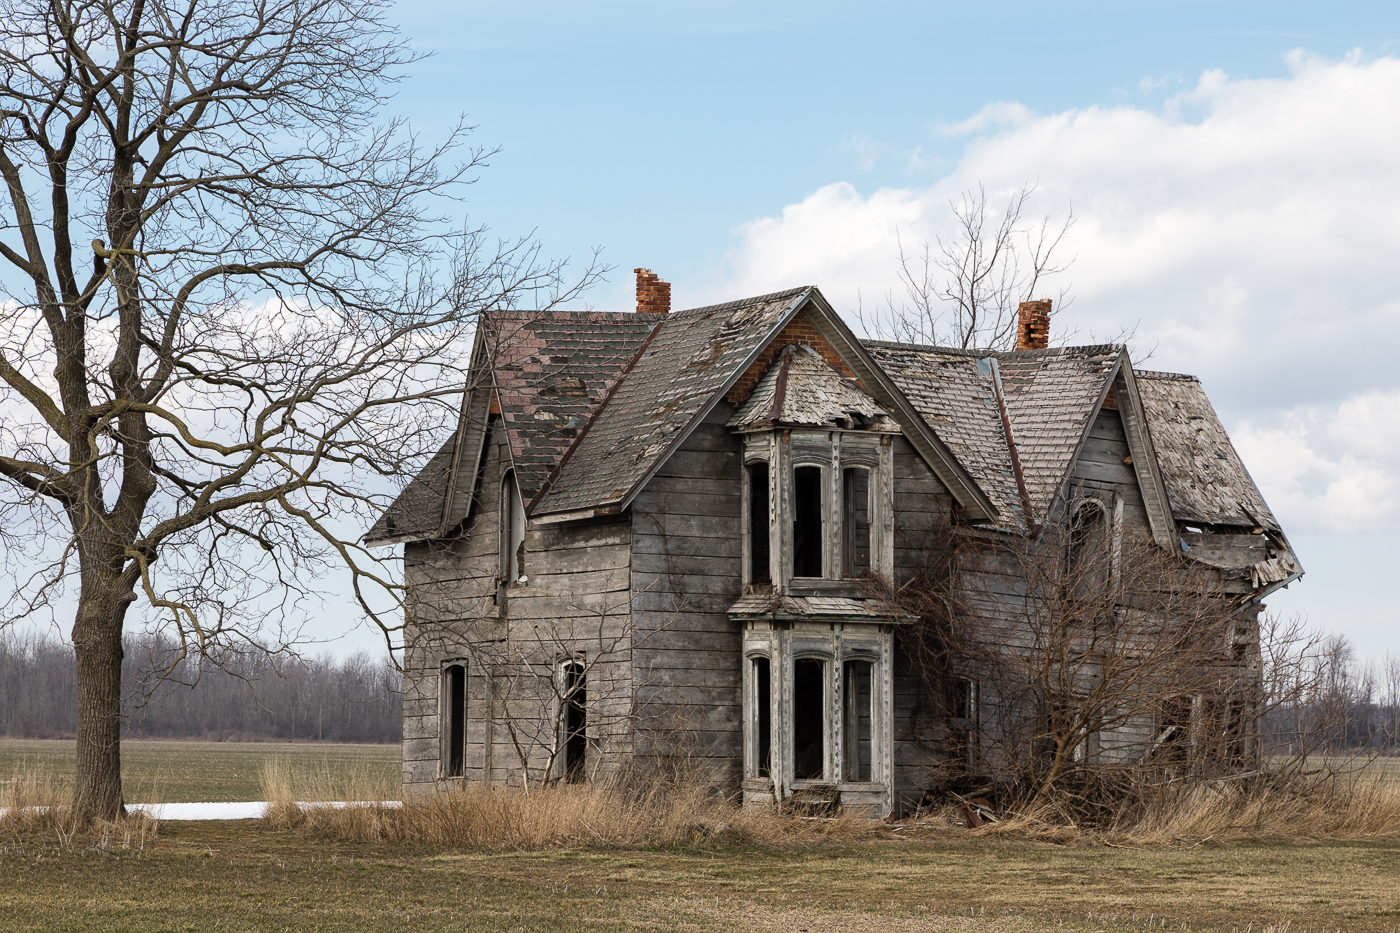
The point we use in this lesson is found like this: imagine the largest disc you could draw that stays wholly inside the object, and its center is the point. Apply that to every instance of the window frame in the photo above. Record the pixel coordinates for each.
(453, 715)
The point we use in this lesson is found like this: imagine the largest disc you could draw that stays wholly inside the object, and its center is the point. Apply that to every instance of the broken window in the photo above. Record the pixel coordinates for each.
(857, 719)
(454, 720)
(575, 721)
(855, 521)
(758, 523)
(762, 717)
(961, 704)
(512, 530)
(809, 723)
(807, 544)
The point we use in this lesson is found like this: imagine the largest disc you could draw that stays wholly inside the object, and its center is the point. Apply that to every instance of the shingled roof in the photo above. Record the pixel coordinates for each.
(690, 357)
(805, 389)
(1205, 478)
(958, 400)
(1052, 397)
(548, 371)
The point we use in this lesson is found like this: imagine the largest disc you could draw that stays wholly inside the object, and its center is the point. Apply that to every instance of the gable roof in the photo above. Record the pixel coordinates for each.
(545, 373)
(688, 364)
(1052, 397)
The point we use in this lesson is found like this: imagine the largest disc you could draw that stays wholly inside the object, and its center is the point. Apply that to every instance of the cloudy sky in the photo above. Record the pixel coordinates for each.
(1234, 174)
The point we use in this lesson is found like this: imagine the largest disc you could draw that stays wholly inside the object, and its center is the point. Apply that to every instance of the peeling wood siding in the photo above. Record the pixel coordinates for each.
(686, 572)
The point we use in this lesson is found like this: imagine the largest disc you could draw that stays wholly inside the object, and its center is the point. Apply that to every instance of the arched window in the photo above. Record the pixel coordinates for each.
(807, 543)
(454, 720)
(758, 523)
(512, 529)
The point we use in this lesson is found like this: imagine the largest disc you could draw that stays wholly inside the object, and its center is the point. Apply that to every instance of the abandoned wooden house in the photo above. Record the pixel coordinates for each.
(652, 535)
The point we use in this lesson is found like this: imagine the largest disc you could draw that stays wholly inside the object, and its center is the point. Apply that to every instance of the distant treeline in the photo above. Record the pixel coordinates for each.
(237, 696)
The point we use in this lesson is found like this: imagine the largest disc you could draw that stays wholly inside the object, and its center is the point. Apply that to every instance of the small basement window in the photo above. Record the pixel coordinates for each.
(809, 730)
(857, 714)
(758, 523)
(855, 521)
(807, 521)
(454, 720)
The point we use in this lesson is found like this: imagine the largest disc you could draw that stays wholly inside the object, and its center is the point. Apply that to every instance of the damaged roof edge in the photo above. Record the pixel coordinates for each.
(975, 503)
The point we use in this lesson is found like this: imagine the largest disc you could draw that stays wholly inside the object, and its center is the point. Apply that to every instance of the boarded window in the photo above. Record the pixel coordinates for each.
(454, 720)
(809, 723)
(807, 521)
(857, 719)
(758, 523)
(855, 521)
(762, 717)
(575, 715)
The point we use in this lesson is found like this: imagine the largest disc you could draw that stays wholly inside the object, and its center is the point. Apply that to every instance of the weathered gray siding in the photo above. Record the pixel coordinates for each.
(686, 574)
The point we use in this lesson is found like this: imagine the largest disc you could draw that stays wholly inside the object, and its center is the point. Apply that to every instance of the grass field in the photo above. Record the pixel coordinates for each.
(183, 772)
(247, 875)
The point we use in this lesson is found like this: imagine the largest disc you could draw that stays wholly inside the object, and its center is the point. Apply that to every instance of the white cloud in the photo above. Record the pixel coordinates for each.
(1248, 227)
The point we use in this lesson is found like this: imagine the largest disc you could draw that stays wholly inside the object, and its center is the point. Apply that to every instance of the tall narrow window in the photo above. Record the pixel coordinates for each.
(807, 521)
(961, 705)
(575, 714)
(758, 523)
(855, 521)
(857, 723)
(763, 717)
(512, 529)
(809, 728)
(454, 719)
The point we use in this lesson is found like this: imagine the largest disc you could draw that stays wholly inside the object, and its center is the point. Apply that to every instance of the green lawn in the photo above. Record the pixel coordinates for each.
(182, 772)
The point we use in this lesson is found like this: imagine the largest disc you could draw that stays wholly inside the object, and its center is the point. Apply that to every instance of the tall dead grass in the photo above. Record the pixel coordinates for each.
(597, 815)
(1271, 806)
(34, 804)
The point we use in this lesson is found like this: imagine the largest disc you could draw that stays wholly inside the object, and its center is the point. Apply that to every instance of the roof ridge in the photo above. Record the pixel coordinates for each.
(731, 305)
(1156, 374)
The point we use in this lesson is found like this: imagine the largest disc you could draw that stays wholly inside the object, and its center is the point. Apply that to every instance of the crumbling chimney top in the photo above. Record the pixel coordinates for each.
(653, 295)
(1033, 325)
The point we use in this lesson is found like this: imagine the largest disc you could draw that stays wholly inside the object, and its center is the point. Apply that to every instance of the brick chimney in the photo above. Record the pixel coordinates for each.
(653, 295)
(1032, 324)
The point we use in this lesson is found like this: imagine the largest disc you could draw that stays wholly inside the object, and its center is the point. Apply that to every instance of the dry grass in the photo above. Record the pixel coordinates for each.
(34, 803)
(1276, 807)
(599, 815)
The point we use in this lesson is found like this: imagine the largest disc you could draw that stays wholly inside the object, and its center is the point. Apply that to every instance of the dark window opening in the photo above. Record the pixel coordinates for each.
(855, 521)
(575, 722)
(960, 703)
(455, 719)
(858, 722)
(758, 523)
(763, 716)
(807, 522)
(809, 719)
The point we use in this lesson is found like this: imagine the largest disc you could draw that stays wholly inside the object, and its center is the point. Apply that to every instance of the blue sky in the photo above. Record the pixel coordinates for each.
(1232, 167)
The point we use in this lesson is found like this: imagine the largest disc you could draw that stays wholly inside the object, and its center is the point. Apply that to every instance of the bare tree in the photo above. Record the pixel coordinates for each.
(225, 323)
(964, 292)
(1081, 662)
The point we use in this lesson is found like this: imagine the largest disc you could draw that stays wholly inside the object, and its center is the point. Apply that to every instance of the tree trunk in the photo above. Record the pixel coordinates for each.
(97, 641)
